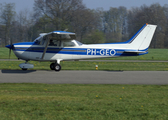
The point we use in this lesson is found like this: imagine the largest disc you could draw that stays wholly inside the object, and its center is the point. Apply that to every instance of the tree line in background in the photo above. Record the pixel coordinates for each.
(90, 25)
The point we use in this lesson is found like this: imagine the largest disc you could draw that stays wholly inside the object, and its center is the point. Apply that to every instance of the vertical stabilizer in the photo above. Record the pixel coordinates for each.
(142, 38)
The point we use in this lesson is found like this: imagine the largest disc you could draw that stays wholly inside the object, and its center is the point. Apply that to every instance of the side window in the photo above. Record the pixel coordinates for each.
(68, 44)
(55, 43)
(42, 41)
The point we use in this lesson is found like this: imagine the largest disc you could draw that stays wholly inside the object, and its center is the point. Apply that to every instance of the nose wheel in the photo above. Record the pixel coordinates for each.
(55, 66)
(26, 65)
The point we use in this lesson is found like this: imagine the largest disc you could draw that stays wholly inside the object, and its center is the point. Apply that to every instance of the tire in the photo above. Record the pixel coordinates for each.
(52, 66)
(57, 67)
(24, 69)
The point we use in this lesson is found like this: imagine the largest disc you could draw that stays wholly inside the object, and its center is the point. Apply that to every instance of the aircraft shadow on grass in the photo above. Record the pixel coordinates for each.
(114, 70)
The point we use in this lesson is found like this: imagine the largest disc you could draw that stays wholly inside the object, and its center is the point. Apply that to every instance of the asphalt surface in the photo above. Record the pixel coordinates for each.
(85, 77)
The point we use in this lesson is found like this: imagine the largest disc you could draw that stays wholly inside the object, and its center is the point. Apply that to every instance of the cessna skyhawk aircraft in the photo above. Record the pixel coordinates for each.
(57, 46)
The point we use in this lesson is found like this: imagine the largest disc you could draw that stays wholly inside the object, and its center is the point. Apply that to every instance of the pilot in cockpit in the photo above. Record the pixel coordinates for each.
(51, 43)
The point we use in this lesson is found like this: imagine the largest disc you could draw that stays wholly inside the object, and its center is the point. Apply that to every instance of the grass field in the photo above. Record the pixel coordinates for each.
(81, 102)
(4, 53)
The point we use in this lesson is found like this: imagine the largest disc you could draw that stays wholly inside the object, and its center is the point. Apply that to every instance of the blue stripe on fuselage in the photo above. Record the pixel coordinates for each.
(81, 51)
(26, 43)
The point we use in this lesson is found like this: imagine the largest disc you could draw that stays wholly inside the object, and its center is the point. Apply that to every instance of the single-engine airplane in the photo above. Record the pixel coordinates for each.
(57, 46)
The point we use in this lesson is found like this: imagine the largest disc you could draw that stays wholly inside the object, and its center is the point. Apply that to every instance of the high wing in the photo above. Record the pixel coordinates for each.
(57, 35)
(61, 35)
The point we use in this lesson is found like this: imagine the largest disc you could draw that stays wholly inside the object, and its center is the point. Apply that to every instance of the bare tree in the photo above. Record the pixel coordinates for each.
(7, 16)
(59, 12)
(165, 9)
(23, 25)
(153, 14)
(114, 22)
(84, 22)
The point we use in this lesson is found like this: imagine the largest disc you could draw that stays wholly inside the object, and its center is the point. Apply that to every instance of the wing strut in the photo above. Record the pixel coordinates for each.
(48, 39)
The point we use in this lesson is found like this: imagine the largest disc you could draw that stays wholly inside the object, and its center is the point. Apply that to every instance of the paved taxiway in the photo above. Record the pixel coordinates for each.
(84, 77)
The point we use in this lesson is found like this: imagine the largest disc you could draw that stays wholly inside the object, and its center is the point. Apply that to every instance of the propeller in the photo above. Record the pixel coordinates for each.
(11, 46)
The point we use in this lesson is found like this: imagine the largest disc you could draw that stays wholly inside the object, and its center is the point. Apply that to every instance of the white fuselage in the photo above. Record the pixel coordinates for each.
(58, 50)
(34, 52)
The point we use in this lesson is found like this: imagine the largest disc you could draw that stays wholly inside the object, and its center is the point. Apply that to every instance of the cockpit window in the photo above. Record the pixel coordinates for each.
(79, 43)
(68, 44)
(54, 42)
(40, 40)
(37, 40)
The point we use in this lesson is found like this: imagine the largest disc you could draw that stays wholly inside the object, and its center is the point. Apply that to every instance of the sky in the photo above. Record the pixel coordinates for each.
(92, 4)
(106, 4)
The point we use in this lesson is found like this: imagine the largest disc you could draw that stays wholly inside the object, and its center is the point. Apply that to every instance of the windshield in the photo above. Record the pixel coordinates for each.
(68, 43)
(79, 43)
(40, 40)
(37, 38)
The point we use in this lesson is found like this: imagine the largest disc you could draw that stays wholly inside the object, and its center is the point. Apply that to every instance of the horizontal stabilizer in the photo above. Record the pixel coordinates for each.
(136, 51)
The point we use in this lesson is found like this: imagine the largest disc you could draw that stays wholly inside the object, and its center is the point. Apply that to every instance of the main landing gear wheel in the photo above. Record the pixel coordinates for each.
(52, 66)
(55, 66)
(24, 69)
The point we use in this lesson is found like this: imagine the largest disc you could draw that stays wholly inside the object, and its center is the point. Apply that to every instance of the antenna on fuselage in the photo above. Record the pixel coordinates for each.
(66, 29)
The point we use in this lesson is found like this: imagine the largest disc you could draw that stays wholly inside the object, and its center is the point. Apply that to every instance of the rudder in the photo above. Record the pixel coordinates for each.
(143, 38)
